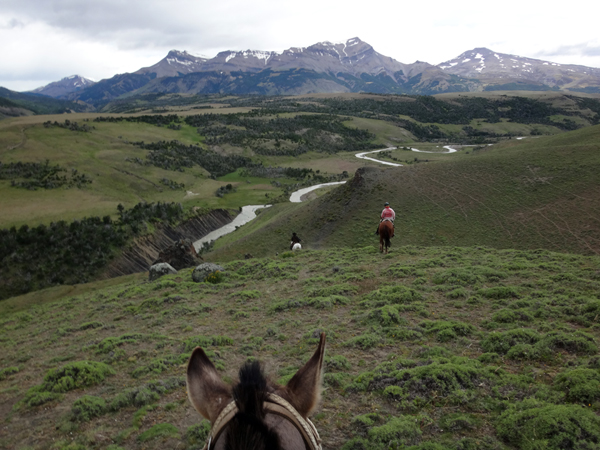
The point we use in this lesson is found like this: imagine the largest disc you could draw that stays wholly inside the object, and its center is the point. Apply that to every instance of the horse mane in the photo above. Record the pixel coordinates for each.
(248, 429)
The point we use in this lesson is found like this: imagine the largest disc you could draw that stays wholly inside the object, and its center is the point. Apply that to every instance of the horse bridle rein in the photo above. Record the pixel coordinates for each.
(275, 405)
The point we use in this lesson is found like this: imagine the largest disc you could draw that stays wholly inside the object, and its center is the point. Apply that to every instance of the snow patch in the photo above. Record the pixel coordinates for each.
(478, 56)
(230, 56)
(466, 60)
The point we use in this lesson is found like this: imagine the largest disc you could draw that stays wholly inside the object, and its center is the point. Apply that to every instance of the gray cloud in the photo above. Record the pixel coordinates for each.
(583, 49)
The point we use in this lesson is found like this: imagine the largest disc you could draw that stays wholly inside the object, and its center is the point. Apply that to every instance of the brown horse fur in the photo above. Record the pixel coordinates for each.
(386, 231)
(251, 428)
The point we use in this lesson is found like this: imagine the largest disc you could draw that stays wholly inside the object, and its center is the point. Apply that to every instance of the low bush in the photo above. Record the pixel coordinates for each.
(206, 341)
(447, 330)
(75, 375)
(160, 430)
(399, 431)
(501, 342)
(387, 315)
(499, 292)
(580, 385)
(364, 341)
(196, 435)
(532, 425)
(391, 295)
(87, 407)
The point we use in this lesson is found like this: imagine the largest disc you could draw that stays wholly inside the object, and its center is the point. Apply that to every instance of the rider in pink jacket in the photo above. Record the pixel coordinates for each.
(387, 214)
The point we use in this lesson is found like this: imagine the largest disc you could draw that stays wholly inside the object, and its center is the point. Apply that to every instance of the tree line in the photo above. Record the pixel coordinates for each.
(72, 252)
(33, 176)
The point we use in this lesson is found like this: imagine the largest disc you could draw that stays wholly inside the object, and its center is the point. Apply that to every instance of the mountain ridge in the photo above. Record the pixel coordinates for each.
(350, 66)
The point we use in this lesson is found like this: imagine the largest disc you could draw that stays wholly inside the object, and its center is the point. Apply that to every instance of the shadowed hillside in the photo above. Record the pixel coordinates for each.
(536, 193)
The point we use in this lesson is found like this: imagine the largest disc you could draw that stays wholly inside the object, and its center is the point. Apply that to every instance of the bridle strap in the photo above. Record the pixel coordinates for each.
(282, 407)
(275, 405)
(223, 419)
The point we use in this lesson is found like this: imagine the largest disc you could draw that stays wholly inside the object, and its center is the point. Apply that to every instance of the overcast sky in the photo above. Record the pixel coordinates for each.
(45, 40)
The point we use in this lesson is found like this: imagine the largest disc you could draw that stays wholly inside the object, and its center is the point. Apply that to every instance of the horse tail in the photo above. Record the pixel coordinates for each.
(388, 243)
(248, 429)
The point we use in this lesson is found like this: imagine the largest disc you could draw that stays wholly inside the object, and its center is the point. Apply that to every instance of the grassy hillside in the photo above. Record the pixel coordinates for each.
(531, 193)
(427, 348)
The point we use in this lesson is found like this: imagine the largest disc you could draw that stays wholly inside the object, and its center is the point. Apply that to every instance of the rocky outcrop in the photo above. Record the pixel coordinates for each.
(145, 250)
(180, 255)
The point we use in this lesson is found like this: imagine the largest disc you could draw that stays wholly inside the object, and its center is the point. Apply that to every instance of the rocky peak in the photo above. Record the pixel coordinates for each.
(64, 87)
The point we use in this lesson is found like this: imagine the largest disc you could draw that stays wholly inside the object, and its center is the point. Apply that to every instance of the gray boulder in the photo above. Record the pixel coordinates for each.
(160, 269)
(203, 270)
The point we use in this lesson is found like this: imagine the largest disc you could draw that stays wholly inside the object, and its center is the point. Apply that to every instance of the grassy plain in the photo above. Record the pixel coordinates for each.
(101, 154)
(433, 347)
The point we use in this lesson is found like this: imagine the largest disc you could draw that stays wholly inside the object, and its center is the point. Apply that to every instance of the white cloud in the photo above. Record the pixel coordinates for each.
(50, 39)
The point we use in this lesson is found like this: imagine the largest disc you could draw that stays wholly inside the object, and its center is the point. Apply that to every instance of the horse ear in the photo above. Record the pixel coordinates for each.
(304, 389)
(207, 392)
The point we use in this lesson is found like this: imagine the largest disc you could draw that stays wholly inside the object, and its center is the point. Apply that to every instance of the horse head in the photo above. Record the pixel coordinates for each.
(257, 413)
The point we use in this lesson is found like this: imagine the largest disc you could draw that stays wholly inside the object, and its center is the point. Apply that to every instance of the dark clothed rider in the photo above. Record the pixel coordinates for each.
(387, 214)
(295, 240)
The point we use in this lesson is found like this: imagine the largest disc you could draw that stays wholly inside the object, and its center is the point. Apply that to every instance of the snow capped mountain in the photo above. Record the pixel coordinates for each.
(65, 86)
(349, 66)
(174, 64)
(496, 68)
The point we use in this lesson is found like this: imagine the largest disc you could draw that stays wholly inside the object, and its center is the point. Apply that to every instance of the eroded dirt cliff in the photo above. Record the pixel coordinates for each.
(144, 251)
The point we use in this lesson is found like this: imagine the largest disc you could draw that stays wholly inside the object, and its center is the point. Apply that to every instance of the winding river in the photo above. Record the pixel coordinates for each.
(249, 212)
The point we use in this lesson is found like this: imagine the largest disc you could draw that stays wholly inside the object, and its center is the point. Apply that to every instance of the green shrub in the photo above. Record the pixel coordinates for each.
(337, 380)
(386, 315)
(528, 352)
(363, 422)
(404, 334)
(457, 293)
(215, 277)
(499, 292)
(75, 375)
(160, 430)
(87, 407)
(533, 425)
(206, 341)
(456, 422)
(405, 271)
(144, 395)
(291, 303)
(110, 343)
(337, 362)
(501, 342)
(8, 371)
(196, 435)
(403, 430)
(90, 325)
(159, 365)
(327, 302)
(364, 341)
(489, 358)
(447, 330)
(579, 385)
(36, 397)
(391, 295)
(577, 342)
(457, 276)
